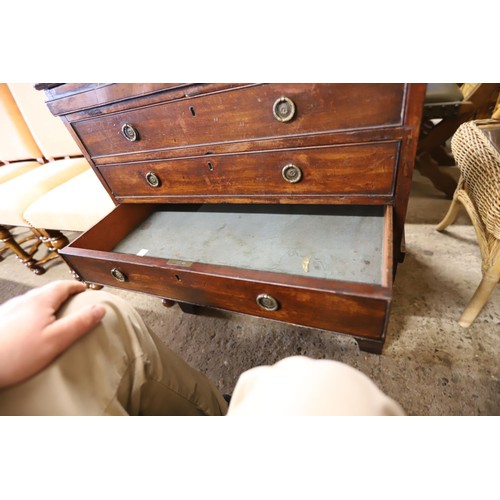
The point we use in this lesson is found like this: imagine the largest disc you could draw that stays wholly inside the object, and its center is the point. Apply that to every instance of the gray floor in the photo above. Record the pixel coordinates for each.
(430, 364)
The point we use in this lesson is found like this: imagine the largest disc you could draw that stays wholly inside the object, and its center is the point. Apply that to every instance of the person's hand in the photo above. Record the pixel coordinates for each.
(30, 334)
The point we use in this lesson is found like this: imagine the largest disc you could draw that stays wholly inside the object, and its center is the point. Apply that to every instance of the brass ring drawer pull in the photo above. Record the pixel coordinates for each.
(152, 179)
(284, 109)
(118, 275)
(129, 132)
(291, 173)
(267, 302)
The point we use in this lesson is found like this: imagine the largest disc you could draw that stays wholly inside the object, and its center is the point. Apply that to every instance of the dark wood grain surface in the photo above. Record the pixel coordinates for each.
(367, 169)
(242, 115)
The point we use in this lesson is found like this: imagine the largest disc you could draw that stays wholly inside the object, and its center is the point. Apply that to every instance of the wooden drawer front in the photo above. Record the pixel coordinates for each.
(242, 115)
(326, 309)
(335, 170)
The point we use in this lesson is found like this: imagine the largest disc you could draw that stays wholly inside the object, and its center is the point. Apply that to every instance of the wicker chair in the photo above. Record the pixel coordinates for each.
(475, 147)
(449, 105)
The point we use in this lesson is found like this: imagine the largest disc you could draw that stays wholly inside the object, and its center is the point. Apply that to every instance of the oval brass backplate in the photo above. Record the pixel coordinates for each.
(291, 173)
(129, 132)
(152, 179)
(118, 275)
(267, 302)
(284, 109)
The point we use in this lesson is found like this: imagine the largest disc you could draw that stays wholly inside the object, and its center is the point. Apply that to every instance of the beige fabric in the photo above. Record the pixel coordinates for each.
(8, 172)
(304, 386)
(17, 194)
(76, 205)
(16, 142)
(119, 368)
(50, 133)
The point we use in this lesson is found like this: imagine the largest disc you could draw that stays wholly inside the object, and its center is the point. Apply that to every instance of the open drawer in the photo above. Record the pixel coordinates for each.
(327, 267)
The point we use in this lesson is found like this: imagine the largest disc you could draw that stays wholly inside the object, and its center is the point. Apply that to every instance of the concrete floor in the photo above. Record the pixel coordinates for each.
(430, 364)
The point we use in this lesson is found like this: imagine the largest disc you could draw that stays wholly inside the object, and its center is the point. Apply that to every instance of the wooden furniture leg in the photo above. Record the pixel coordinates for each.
(189, 308)
(35, 243)
(440, 180)
(442, 157)
(370, 345)
(91, 286)
(444, 130)
(54, 240)
(25, 257)
(401, 255)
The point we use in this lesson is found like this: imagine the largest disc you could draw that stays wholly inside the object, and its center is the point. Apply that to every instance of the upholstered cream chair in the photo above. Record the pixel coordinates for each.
(19, 154)
(48, 131)
(33, 133)
(476, 149)
(17, 143)
(74, 205)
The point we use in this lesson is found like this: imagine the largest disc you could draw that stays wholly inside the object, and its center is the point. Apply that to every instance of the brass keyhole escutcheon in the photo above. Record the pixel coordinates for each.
(152, 179)
(291, 173)
(284, 109)
(129, 132)
(267, 302)
(118, 275)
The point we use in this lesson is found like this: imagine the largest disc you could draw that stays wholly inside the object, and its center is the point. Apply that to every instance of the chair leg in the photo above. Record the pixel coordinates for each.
(479, 299)
(32, 239)
(451, 215)
(54, 240)
(23, 256)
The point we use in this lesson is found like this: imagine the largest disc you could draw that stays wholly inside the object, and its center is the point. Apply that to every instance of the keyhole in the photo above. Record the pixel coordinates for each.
(193, 112)
(177, 277)
(210, 167)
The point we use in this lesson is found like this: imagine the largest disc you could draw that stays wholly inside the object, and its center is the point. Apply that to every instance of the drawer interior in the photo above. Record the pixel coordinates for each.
(332, 242)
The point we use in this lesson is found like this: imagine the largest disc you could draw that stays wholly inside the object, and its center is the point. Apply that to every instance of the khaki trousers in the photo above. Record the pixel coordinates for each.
(120, 368)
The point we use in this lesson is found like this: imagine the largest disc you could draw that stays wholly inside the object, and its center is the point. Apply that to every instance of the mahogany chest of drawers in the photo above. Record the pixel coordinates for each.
(285, 201)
